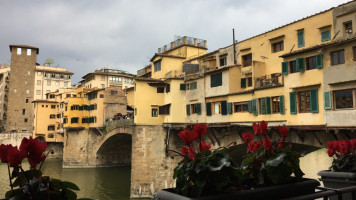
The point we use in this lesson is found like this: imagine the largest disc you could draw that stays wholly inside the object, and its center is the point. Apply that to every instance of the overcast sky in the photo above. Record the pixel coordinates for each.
(84, 35)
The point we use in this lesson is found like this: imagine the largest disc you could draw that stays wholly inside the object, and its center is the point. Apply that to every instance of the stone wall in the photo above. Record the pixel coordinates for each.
(13, 138)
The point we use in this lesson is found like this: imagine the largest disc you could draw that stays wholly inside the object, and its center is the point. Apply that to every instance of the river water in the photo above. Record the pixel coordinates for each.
(114, 182)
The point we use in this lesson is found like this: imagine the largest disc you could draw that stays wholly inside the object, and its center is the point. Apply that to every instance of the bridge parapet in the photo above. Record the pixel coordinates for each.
(124, 123)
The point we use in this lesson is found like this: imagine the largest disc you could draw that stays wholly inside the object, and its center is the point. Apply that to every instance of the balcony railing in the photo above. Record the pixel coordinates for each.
(247, 63)
(269, 81)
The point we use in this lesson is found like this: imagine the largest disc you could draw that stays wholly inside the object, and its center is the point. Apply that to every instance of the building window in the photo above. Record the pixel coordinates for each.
(38, 82)
(154, 112)
(325, 35)
(223, 61)
(18, 51)
(247, 60)
(300, 36)
(249, 81)
(160, 90)
(114, 79)
(344, 99)
(52, 96)
(275, 104)
(217, 107)
(15, 90)
(28, 73)
(337, 57)
(168, 88)
(293, 66)
(311, 62)
(53, 106)
(25, 120)
(74, 120)
(216, 80)
(157, 66)
(49, 83)
(65, 120)
(277, 47)
(65, 84)
(42, 106)
(240, 107)
(26, 100)
(164, 110)
(192, 85)
(23, 111)
(103, 78)
(101, 96)
(57, 83)
(28, 52)
(51, 128)
(102, 85)
(67, 95)
(304, 101)
(74, 107)
(27, 91)
(52, 116)
(39, 73)
(348, 27)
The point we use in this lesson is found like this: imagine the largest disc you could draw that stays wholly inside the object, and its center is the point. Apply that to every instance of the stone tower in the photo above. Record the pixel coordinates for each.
(20, 111)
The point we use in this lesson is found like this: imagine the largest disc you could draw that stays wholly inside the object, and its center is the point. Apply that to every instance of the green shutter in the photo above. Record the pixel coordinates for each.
(301, 39)
(208, 109)
(249, 106)
(285, 67)
(216, 80)
(300, 64)
(224, 107)
(254, 107)
(327, 100)
(268, 105)
(182, 86)
(281, 104)
(243, 82)
(325, 35)
(229, 108)
(314, 107)
(198, 107)
(319, 61)
(293, 102)
(263, 106)
(188, 109)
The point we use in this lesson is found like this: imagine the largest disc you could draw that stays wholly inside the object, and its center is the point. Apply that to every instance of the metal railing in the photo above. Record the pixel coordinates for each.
(325, 193)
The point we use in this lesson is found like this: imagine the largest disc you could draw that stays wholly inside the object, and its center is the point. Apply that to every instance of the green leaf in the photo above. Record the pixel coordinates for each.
(200, 167)
(280, 174)
(70, 185)
(70, 195)
(201, 180)
(276, 160)
(10, 194)
(20, 180)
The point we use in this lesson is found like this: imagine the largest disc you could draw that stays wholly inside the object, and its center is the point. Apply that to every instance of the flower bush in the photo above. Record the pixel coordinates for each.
(203, 171)
(344, 155)
(31, 184)
(267, 163)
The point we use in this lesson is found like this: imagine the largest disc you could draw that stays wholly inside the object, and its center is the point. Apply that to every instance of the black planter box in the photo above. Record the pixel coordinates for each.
(338, 180)
(307, 186)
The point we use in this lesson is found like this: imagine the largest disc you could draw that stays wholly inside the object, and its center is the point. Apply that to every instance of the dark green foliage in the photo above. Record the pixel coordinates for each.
(345, 163)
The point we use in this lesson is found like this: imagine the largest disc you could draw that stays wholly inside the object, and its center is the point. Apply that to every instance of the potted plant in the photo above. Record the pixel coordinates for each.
(266, 171)
(30, 184)
(342, 172)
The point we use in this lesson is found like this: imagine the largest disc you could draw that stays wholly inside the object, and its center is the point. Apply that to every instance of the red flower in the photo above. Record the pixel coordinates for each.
(188, 136)
(345, 147)
(3, 152)
(252, 147)
(337, 145)
(188, 150)
(34, 150)
(330, 152)
(203, 146)
(200, 129)
(14, 156)
(263, 127)
(281, 145)
(256, 128)
(353, 143)
(267, 144)
(247, 137)
(330, 144)
(283, 130)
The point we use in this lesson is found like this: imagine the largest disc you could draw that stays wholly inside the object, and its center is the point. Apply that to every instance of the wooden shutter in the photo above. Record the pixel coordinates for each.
(285, 67)
(327, 100)
(300, 39)
(216, 80)
(249, 106)
(314, 107)
(300, 64)
(293, 102)
(319, 61)
(268, 105)
(229, 108)
(188, 109)
(263, 106)
(224, 107)
(243, 82)
(208, 109)
(281, 104)
(182, 86)
(254, 107)
(198, 107)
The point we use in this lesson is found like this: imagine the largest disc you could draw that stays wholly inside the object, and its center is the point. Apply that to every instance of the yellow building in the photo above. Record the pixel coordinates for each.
(159, 99)
(107, 77)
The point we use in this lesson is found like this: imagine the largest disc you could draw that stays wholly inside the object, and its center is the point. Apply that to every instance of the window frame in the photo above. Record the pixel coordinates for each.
(305, 104)
(222, 61)
(241, 105)
(275, 104)
(292, 67)
(279, 44)
(154, 112)
(247, 60)
(353, 99)
(217, 103)
(157, 65)
(338, 53)
(313, 66)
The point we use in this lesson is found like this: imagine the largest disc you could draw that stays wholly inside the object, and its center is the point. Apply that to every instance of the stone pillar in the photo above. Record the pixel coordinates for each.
(172, 45)
(159, 50)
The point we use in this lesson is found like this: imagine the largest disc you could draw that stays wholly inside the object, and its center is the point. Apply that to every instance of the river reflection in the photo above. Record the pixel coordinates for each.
(96, 183)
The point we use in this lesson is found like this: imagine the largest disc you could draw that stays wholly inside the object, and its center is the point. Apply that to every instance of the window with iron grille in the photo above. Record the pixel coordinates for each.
(277, 47)
(247, 60)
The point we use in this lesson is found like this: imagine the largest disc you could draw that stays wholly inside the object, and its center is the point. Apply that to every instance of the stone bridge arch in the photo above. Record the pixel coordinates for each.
(114, 148)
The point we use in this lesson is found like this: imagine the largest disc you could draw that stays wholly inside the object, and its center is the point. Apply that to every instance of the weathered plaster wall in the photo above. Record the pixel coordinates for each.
(13, 138)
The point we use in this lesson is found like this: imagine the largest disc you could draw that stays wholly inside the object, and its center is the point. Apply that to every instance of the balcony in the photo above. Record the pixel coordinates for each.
(269, 81)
